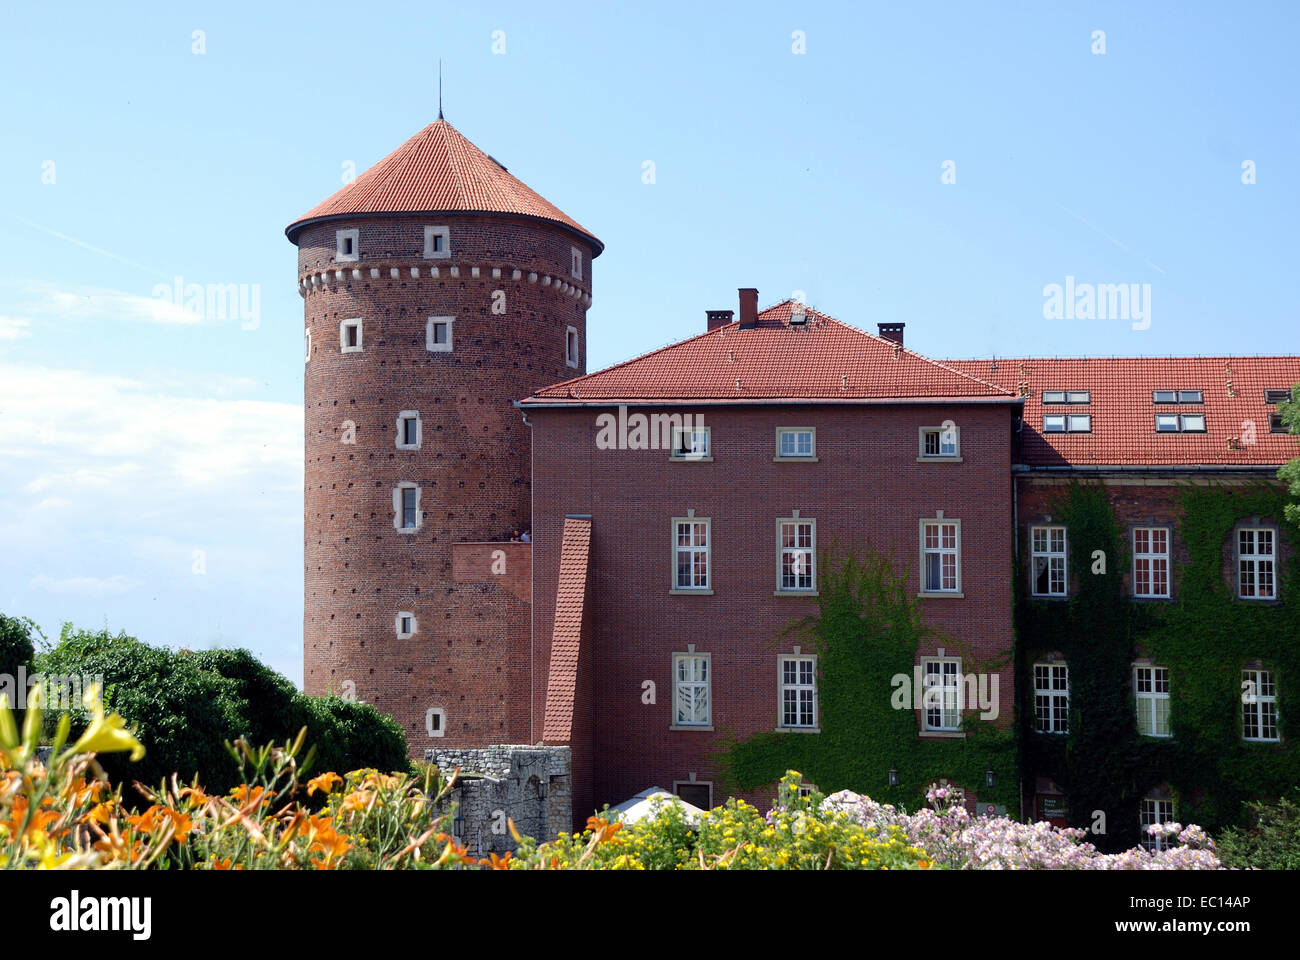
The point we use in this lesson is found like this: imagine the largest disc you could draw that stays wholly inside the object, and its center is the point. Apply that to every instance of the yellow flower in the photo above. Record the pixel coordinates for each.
(105, 734)
(325, 782)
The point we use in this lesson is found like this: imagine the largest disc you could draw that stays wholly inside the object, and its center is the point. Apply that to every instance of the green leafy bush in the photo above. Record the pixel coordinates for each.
(186, 704)
(1271, 842)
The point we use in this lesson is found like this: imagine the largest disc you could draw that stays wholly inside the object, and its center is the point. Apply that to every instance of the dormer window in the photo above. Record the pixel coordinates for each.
(1180, 423)
(346, 245)
(1067, 423)
(437, 243)
(1067, 396)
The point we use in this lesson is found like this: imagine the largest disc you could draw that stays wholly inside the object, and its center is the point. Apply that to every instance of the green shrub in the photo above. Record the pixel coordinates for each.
(1271, 842)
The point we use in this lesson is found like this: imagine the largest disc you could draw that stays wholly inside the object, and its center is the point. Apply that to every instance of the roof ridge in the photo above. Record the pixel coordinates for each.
(920, 356)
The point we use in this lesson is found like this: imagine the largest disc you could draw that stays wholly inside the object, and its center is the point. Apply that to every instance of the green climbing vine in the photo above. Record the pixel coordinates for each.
(1205, 636)
(867, 632)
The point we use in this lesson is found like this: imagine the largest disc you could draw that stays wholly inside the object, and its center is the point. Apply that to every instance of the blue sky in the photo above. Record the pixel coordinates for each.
(151, 459)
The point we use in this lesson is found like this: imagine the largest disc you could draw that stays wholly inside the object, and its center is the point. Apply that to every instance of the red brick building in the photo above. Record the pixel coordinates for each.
(679, 503)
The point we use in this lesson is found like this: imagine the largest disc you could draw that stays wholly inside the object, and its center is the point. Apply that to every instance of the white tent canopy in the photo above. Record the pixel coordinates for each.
(648, 803)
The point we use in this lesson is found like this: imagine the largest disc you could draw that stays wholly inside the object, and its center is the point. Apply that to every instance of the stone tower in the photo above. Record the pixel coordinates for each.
(438, 290)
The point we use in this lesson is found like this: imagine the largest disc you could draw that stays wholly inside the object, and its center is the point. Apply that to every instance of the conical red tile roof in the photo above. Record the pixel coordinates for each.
(438, 170)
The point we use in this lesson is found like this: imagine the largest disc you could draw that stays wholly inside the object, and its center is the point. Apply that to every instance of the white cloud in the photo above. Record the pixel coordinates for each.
(14, 328)
(83, 586)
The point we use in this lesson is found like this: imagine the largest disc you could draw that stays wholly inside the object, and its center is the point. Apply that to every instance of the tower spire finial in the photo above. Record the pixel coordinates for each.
(440, 88)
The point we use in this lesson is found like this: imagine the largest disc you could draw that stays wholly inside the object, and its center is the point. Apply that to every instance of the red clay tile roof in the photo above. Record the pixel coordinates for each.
(1123, 414)
(566, 639)
(438, 171)
(823, 360)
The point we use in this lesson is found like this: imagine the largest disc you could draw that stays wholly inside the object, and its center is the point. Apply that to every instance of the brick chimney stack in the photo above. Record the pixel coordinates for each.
(892, 332)
(748, 308)
(718, 318)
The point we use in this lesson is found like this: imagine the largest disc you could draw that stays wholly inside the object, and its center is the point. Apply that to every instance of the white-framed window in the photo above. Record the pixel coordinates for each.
(798, 686)
(437, 243)
(407, 516)
(438, 334)
(575, 263)
(1067, 423)
(692, 443)
(698, 793)
(1180, 423)
(1067, 396)
(1051, 698)
(571, 347)
(1258, 705)
(941, 697)
(1151, 687)
(691, 553)
(1150, 562)
(1256, 563)
(940, 555)
(347, 245)
(692, 688)
(1048, 559)
(1155, 810)
(307, 343)
(350, 335)
(940, 444)
(409, 430)
(404, 624)
(796, 443)
(435, 722)
(796, 555)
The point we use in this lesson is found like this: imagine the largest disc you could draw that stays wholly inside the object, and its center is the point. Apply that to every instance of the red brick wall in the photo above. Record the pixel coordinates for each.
(866, 485)
(470, 653)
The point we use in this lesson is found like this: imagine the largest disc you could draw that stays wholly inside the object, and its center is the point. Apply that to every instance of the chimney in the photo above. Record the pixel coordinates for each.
(892, 332)
(748, 308)
(718, 318)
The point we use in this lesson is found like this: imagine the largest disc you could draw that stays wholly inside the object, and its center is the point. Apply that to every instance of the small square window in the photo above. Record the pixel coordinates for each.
(1166, 423)
(1080, 423)
(940, 443)
(698, 795)
(409, 430)
(575, 263)
(796, 443)
(1189, 396)
(1053, 396)
(438, 335)
(1077, 396)
(345, 245)
(406, 507)
(350, 336)
(437, 243)
(405, 625)
(571, 346)
(1053, 423)
(1164, 396)
(1275, 424)
(691, 443)
(1193, 422)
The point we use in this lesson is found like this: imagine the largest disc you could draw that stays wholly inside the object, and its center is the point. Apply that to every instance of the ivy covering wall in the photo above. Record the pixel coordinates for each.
(866, 631)
(1204, 637)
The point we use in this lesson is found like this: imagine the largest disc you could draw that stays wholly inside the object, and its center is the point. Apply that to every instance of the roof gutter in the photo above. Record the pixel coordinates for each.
(295, 228)
(1162, 469)
(558, 404)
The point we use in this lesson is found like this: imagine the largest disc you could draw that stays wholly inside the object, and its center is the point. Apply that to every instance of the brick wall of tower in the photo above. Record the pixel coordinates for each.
(469, 654)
